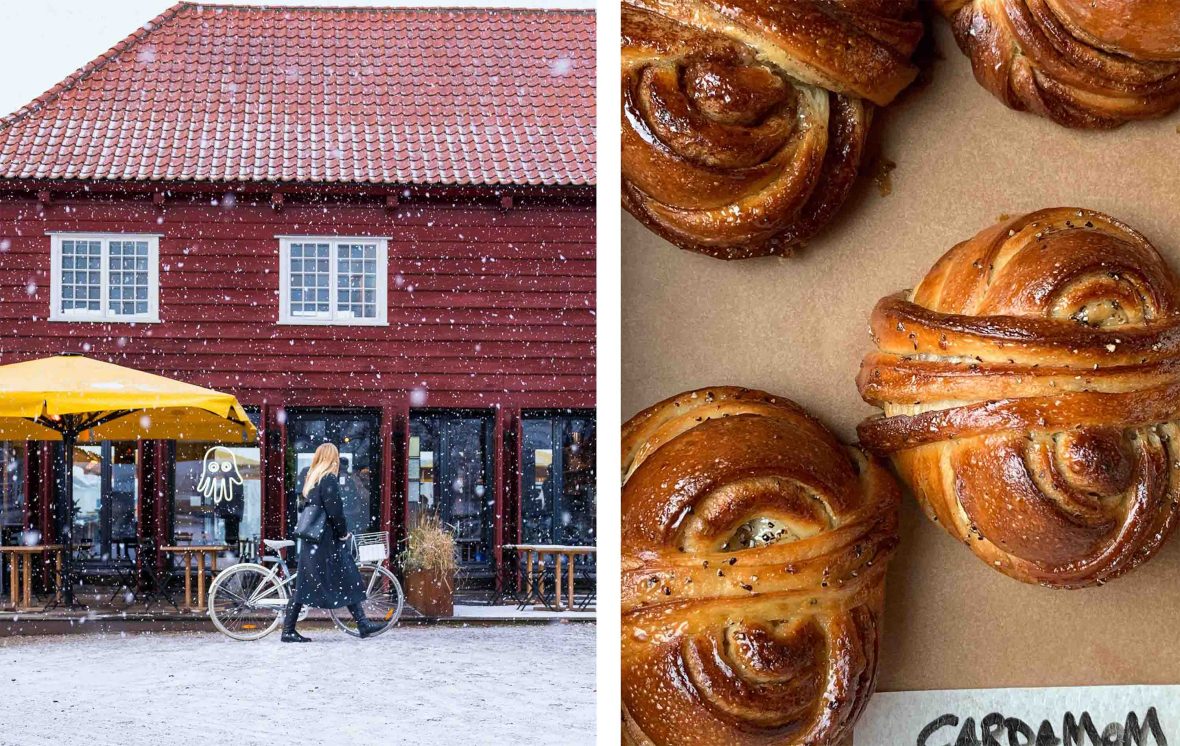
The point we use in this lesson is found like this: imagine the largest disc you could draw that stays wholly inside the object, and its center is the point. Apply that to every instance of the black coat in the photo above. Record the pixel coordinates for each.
(328, 577)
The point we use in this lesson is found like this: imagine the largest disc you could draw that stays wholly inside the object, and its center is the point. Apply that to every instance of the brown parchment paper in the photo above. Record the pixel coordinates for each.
(798, 327)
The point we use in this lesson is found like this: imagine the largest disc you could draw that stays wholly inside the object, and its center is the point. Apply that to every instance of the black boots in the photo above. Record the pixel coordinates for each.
(292, 616)
(363, 625)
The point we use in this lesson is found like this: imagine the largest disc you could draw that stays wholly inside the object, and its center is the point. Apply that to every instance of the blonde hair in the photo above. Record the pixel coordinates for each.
(325, 461)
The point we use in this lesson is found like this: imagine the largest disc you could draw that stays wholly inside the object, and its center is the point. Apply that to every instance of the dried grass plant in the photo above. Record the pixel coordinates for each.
(429, 546)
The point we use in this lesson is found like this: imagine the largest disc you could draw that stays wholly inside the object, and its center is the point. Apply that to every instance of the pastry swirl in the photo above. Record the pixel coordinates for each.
(1031, 388)
(1081, 63)
(744, 121)
(754, 548)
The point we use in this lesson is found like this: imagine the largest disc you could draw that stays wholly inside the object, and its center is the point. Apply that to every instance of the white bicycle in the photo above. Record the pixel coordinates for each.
(247, 601)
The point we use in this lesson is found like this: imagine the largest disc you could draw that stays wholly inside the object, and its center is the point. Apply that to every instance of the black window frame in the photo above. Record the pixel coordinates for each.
(559, 420)
(292, 479)
(107, 547)
(485, 567)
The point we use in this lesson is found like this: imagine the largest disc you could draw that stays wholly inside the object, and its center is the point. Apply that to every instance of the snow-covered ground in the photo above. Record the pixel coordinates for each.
(530, 684)
(480, 611)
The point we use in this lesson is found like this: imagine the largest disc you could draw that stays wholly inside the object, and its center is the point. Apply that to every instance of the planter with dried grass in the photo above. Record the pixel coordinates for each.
(429, 564)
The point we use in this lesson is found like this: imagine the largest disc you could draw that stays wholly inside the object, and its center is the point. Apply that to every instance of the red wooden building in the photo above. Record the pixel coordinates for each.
(373, 226)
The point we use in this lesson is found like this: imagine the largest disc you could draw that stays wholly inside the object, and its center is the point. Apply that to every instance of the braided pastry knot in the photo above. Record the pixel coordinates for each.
(754, 548)
(1031, 387)
(744, 120)
(1081, 63)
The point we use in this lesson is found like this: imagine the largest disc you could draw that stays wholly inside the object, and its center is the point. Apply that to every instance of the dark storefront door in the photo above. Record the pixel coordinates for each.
(451, 474)
(106, 486)
(12, 491)
(557, 478)
(356, 432)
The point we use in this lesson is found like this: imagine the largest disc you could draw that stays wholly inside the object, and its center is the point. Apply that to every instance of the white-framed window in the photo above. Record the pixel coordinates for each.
(105, 277)
(333, 280)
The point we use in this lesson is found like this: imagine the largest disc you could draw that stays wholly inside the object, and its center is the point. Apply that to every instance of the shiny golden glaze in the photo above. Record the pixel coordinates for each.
(744, 120)
(1081, 63)
(1031, 387)
(754, 548)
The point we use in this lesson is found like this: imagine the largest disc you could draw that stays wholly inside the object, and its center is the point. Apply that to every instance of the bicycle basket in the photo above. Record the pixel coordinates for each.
(372, 548)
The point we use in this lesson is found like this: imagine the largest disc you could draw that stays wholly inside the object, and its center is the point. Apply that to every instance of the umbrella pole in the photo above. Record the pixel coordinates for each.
(68, 441)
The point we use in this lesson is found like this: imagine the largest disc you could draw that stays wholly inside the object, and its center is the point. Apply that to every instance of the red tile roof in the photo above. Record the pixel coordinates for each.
(358, 95)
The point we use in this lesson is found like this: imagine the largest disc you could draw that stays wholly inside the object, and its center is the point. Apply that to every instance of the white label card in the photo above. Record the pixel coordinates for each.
(1073, 716)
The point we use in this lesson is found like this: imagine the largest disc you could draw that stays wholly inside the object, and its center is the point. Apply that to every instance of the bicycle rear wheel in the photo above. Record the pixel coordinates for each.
(383, 602)
(247, 602)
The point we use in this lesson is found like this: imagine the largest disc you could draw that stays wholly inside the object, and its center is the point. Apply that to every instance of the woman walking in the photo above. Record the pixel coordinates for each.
(328, 578)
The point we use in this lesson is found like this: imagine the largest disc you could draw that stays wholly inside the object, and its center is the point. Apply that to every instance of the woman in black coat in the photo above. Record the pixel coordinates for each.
(328, 578)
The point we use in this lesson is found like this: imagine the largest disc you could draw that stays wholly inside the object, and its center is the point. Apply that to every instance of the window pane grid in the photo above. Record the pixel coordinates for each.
(356, 281)
(127, 268)
(101, 278)
(333, 281)
(310, 280)
(81, 276)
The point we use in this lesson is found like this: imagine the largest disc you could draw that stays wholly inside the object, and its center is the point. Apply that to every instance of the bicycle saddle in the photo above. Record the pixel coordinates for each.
(277, 544)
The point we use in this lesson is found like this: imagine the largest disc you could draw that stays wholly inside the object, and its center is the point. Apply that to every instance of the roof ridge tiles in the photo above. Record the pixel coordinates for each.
(485, 9)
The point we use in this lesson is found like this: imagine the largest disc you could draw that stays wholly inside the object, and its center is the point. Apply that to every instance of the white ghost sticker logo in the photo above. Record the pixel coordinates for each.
(219, 474)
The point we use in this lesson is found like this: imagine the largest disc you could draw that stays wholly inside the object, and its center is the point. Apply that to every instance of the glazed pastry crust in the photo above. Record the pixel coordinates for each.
(1081, 63)
(744, 121)
(1031, 388)
(754, 549)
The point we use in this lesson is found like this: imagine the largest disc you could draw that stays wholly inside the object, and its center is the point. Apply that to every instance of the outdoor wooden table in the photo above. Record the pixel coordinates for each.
(20, 572)
(536, 559)
(212, 550)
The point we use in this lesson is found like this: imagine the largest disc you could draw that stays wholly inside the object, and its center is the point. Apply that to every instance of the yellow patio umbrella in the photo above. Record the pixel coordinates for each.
(74, 399)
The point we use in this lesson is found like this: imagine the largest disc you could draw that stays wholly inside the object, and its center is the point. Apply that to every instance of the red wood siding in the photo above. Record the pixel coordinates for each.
(487, 307)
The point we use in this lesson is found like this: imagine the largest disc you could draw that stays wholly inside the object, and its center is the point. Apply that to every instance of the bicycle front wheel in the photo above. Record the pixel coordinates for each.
(247, 602)
(383, 601)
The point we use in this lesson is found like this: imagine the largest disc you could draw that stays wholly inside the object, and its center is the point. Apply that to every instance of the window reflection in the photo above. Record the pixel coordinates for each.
(557, 479)
(450, 473)
(356, 434)
(218, 495)
(12, 489)
(106, 485)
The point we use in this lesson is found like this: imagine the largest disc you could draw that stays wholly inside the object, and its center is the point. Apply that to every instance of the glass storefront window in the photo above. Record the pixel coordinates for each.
(557, 479)
(451, 474)
(357, 434)
(421, 478)
(12, 488)
(106, 485)
(218, 495)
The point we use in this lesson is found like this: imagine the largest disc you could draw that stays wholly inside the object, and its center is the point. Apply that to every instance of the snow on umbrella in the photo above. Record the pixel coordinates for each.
(71, 398)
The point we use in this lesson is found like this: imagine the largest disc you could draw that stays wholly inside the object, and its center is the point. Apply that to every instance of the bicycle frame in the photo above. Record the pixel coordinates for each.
(279, 568)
